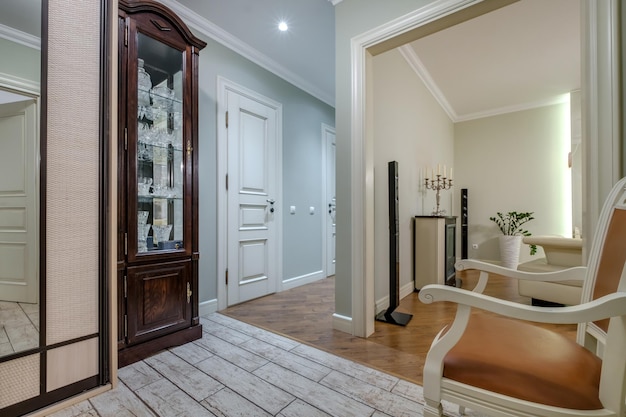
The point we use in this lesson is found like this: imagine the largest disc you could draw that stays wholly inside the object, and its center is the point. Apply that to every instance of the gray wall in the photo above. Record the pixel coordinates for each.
(19, 61)
(303, 116)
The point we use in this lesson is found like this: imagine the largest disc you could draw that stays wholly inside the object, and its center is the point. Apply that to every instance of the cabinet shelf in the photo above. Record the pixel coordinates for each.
(150, 198)
(175, 147)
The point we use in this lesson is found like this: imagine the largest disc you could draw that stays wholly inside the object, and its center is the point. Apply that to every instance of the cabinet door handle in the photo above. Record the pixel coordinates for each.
(189, 292)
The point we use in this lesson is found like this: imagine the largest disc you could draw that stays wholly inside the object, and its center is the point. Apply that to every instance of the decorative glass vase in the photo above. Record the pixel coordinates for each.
(144, 85)
(162, 232)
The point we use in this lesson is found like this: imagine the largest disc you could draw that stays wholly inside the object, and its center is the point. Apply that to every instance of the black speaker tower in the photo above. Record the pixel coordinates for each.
(389, 315)
(464, 223)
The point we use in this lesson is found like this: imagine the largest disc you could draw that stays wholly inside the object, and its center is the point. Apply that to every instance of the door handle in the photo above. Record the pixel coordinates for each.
(271, 201)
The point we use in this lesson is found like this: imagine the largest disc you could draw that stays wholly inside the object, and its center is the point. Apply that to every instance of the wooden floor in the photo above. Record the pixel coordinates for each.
(305, 314)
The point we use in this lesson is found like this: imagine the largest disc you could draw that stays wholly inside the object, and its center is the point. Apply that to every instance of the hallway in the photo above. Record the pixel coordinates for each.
(240, 370)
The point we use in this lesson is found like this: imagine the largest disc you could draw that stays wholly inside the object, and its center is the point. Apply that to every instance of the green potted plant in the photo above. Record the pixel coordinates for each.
(510, 225)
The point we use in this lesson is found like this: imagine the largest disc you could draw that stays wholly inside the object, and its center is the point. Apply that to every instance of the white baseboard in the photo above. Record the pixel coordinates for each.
(302, 280)
(342, 323)
(383, 303)
(207, 307)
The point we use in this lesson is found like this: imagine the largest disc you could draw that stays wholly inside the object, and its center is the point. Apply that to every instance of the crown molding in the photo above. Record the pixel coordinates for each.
(563, 98)
(335, 2)
(408, 53)
(213, 31)
(20, 85)
(20, 37)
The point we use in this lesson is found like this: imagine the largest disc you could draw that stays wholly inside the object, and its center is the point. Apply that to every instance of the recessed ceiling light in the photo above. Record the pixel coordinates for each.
(282, 26)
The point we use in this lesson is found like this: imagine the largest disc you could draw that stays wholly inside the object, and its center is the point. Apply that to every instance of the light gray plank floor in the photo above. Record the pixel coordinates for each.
(19, 327)
(240, 370)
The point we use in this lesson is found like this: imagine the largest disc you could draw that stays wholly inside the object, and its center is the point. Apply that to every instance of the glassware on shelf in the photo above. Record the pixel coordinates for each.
(143, 188)
(162, 97)
(144, 151)
(178, 121)
(144, 85)
(145, 116)
(162, 232)
(142, 217)
(165, 191)
(142, 237)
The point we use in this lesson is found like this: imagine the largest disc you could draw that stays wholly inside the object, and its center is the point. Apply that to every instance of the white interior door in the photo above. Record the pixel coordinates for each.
(253, 193)
(19, 209)
(328, 134)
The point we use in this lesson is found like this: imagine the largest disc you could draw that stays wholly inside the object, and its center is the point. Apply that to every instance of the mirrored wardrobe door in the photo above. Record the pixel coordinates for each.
(20, 39)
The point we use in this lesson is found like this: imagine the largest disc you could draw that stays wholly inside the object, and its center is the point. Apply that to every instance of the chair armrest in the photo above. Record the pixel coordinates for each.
(574, 273)
(602, 308)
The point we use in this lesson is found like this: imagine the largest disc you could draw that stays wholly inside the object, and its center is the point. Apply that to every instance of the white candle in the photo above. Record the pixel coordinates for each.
(444, 172)
(438, 169)
(450, 173)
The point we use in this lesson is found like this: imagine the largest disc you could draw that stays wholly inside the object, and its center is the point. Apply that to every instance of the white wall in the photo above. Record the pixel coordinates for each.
(352, 18)
(409, 127)
(515, 162)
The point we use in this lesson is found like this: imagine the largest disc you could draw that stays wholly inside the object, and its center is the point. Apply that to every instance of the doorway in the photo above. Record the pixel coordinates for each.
(329, 153)
(250, 143)
(362, 237)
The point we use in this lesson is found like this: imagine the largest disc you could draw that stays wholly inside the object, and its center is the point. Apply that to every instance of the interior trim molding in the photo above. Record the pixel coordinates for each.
(342, 323)
(408, 53)
(362, 165)
(325, 165)
(601, 104)
(20, 37)
(298, 281)
(207, 307)
(213, 31)
(21, 85)
(383, 303)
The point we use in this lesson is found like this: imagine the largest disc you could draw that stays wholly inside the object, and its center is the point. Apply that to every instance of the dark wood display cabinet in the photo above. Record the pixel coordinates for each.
(157, 181)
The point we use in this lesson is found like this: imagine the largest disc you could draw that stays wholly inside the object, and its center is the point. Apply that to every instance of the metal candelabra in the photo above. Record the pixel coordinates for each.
(438, 184)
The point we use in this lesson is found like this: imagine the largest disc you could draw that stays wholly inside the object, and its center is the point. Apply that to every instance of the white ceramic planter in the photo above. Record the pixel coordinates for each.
(509, 250)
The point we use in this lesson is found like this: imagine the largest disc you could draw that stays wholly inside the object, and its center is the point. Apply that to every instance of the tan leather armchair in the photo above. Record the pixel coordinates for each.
(561, 253)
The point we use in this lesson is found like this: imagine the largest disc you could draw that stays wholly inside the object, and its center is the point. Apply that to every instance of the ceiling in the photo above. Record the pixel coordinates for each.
(520, 56)
(304, 55)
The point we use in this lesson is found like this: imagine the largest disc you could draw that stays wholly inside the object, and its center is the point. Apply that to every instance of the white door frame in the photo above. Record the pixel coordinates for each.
(600, 81)
(325, 174)
(223, 86)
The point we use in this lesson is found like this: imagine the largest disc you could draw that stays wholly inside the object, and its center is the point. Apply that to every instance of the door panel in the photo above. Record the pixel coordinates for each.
(19, 211)
(252, 209)
(158, 300)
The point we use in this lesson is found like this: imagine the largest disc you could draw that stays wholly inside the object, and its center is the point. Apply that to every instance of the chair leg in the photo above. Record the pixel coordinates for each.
(432, 408)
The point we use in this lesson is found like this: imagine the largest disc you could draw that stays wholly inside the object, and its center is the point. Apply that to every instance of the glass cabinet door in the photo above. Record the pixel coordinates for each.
(159, 161)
